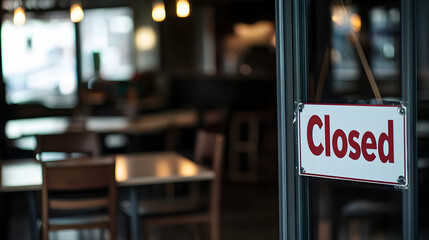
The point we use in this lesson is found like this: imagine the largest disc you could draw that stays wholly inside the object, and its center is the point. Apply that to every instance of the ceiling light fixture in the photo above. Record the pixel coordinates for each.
(76, 12)
(183, 8)
(158, 11)
(19, 15)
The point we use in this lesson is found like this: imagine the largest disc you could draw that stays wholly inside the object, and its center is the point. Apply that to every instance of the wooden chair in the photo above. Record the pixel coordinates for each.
(209, 146)
(70, 186)
(70, 142)
(248, 147)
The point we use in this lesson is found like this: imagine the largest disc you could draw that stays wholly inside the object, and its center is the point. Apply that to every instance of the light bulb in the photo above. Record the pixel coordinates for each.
(158, 12)
(76, 13)
(183, 8)
(19, 16)
(355, 22)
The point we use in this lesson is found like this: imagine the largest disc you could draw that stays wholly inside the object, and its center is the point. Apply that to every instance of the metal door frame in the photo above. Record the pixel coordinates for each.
(292, 71)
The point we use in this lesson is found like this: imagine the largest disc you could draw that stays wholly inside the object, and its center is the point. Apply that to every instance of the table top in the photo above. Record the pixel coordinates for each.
(103, 124)
(131, 170)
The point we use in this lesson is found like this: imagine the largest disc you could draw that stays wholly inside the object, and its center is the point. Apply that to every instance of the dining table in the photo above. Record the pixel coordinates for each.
(22, 132)
(133, 170)
(139, 124)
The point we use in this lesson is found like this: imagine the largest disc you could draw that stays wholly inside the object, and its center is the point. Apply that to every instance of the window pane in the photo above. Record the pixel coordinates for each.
(38, 61)
(352, 43)
(107, 44)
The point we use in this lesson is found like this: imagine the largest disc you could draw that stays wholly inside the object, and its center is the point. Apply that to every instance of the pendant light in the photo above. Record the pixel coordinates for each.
(76, 12)
(158, 11)
(183, 8)
(19, 15)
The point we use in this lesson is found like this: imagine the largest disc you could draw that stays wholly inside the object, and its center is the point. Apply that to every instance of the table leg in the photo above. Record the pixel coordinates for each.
(32, 214)
(135, 220)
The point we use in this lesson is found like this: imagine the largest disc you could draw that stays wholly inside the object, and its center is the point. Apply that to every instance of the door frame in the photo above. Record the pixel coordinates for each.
(292, 75)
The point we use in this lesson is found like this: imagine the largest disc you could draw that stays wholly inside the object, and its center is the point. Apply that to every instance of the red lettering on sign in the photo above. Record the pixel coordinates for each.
(367, 148)
(314, 120)
(339, 134)
(327, 137)
(389, 138)
(368, 145)
(355, 145)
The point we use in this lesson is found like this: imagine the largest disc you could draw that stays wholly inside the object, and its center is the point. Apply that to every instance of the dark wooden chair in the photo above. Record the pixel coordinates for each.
(69, 143)
(248, 146)
(208, 149)
(73, 186)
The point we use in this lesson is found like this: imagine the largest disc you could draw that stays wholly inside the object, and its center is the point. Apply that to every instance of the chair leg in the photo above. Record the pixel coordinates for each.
(45, 234)
(214, 230)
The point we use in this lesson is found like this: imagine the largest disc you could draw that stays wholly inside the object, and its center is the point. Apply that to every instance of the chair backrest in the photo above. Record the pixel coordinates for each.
(70, 142)
(79, 174)
(215, 120)
(74, 179)
(209, 148)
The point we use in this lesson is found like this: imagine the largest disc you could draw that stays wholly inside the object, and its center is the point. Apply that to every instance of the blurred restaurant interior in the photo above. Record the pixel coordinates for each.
(159, 86)
(145, 79)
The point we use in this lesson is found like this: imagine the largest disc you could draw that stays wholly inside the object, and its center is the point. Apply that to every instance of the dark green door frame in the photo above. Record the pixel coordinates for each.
(291, 34)
(291, 43)
(410, 224)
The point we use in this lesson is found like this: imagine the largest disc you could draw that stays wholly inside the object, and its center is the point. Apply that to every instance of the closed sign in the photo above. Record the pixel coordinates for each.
(364, 143)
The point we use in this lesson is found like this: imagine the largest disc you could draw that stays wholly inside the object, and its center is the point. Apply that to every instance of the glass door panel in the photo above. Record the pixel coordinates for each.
(354, 57)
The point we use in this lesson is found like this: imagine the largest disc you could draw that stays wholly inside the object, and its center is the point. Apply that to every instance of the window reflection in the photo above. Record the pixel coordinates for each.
(364, 47)
(384, 34)
(345, 64)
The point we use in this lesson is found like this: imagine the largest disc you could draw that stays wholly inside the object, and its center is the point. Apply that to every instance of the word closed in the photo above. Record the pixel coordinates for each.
(351, 141)
(364, 143)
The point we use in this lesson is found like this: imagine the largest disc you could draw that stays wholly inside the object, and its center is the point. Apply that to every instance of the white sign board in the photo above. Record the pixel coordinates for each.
(365, 143)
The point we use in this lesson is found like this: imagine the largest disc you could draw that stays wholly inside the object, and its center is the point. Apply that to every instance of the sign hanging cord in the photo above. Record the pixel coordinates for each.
(322, 76)
(355, 41)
